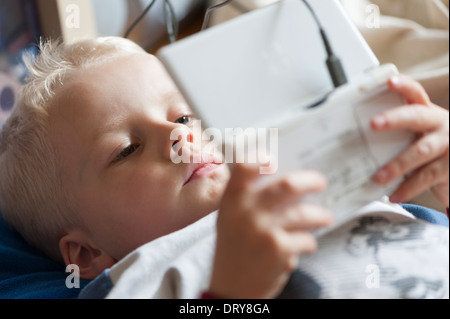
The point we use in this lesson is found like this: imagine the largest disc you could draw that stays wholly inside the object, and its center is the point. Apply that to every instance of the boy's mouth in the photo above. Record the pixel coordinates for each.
(201, 167)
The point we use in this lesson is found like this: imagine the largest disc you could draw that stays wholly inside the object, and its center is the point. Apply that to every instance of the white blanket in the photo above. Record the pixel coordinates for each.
(357, 260)
(172, 267)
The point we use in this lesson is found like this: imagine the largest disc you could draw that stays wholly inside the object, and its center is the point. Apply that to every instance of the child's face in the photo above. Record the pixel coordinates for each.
(112, 127)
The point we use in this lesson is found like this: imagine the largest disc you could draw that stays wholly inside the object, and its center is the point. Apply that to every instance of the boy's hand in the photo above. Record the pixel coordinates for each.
(426, 162)
(262, 232)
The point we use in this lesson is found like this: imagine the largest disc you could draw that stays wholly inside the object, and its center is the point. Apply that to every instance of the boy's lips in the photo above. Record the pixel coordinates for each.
(197, 170)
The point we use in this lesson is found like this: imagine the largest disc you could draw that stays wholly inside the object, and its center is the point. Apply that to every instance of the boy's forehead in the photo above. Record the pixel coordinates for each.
(108, 87)
(138, 73)
(116, 71)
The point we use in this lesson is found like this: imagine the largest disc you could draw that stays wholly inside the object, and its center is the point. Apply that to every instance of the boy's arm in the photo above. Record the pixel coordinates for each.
(262, 231)
(426, 163)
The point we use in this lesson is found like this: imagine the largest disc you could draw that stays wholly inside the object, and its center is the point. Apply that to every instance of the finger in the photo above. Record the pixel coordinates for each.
(287, 247)
(412, 91)
(415, 118)
(243, 175)
(305, 217)
(425, 150)
(421, 180)
(292, 187)
(441, 192)
(240, 185)
(295, 244)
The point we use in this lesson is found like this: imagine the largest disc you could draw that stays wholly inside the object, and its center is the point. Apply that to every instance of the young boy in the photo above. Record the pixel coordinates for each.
(86, 174)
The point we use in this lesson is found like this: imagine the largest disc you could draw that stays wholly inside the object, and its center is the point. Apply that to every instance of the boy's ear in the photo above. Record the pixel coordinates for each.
(76, 249)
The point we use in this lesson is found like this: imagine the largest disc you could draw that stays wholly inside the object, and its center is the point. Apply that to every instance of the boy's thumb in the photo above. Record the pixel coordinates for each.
(245, 169)
(244, 175)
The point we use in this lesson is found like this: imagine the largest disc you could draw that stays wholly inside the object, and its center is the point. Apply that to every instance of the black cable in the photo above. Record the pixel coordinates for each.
(313, 14)
(171, 21)
(135, 23)
(334, 64)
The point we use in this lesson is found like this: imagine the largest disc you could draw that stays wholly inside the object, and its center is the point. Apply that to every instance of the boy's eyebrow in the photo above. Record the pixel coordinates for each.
(108, 127)
(173, 96)
(170, 96)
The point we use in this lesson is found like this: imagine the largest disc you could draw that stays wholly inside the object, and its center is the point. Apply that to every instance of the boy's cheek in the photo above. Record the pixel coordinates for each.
(213, 187)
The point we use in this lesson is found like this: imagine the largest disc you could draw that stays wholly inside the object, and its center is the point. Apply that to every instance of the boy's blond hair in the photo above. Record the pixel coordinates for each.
(33, 198)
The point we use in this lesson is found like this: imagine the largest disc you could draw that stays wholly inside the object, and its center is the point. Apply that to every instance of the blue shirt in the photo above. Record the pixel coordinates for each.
(26, 274)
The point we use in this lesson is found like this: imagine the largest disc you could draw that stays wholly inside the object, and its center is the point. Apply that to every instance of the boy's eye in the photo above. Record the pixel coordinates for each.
(185, 120)
(126, 152)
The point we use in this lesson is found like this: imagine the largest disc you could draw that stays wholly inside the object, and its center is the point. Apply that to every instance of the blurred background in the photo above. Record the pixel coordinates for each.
(24, 22)
(413, 34)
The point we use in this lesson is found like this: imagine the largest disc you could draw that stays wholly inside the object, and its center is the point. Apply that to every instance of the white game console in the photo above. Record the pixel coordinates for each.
(336, 138)
(252, 72)
(253, 67)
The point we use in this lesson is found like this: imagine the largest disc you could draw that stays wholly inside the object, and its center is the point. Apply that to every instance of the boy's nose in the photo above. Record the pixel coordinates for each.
(189, 138)
(180, 140)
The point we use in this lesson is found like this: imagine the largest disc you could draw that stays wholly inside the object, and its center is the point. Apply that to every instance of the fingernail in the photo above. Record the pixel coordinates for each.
(380, 121)
(395, 80)
(382, 176)
(395, 199)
